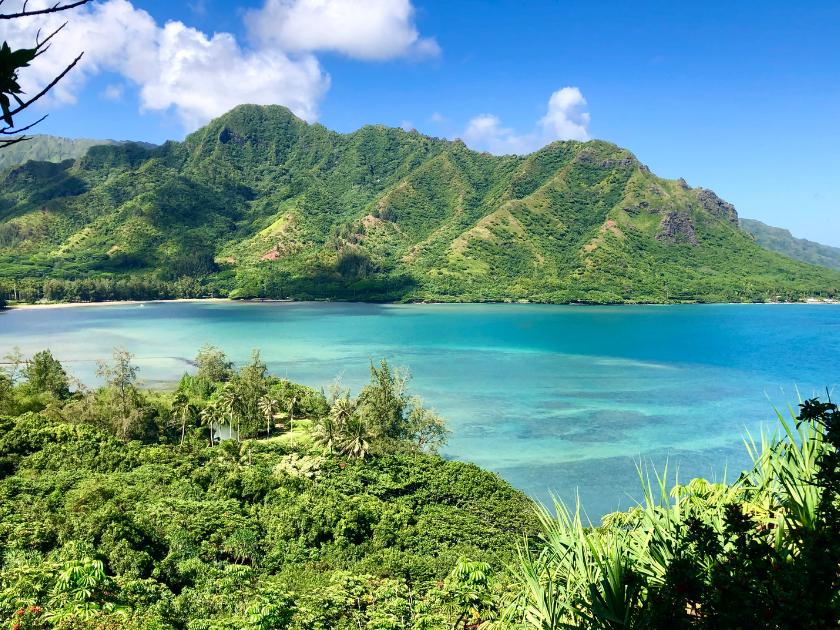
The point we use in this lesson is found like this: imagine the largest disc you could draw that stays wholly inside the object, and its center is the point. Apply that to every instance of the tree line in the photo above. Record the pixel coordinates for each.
(106, 289)
(251, 403)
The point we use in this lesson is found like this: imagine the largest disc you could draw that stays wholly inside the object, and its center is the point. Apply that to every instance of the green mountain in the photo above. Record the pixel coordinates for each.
(48, 149)
(260, 204)
(782, 241)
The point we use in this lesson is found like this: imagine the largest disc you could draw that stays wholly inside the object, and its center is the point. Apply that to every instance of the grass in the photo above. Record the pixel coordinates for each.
(300, 435)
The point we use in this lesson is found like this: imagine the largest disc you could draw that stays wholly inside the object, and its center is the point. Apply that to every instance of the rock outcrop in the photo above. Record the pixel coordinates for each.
(677, 228)
(227, 135)
(716, 206)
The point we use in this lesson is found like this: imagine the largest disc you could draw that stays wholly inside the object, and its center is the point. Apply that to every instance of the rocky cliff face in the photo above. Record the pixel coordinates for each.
(717, 206)
(677, 228)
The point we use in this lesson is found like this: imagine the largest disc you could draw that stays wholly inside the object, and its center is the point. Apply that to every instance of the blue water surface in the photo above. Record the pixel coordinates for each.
(556, 399)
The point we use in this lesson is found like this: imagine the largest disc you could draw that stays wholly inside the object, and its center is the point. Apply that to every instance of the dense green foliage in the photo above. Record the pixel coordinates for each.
(115, 512)
(782, 241)
(44, 148)
(260, 204)
(121, 508)
(763, 552)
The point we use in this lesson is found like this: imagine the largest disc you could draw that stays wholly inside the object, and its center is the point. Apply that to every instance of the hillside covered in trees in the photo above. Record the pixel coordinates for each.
(121, 508)
(260, 204)
(782, 241)
(118, 509)
(44, 148)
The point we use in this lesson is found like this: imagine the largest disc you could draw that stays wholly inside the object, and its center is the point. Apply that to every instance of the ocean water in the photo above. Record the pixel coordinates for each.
(563, 400)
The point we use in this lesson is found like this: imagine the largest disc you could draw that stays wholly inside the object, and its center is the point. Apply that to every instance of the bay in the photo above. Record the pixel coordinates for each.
(556, 399)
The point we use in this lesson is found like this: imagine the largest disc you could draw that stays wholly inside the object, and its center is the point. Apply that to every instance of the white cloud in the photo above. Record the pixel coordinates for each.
(565, 119)
(486, 132)
(200, 76)
(368, 29)
(438, 118)
(115, 36)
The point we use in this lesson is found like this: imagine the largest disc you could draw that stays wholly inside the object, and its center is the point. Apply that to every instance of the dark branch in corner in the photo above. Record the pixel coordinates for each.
(7, 143)
(43, 46)
(56, 8)
(24, 104)
(11, 90)
(11, 131)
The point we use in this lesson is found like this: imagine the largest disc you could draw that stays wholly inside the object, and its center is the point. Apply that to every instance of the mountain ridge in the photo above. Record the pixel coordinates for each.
(258, 203)
(782, 241)
(49, 148)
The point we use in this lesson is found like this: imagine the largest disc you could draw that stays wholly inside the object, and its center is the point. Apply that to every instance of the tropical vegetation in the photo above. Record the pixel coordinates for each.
(45, 148)
(762, 552)
(260, 204)
(127, 508)
(122, 508)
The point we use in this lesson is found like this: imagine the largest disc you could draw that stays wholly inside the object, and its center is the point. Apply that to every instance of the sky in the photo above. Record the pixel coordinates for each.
(740, 97)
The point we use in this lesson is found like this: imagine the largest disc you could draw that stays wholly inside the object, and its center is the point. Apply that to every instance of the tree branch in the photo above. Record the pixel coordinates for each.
(11, 88)
(52, 84)
(7, 143)
(56, 8)
(43, 46)
(11, 131)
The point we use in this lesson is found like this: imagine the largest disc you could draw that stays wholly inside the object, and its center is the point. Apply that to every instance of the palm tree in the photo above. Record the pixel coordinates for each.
(184, 411)
(269, 407)
(232, 403)
(355, 437)
(211, 415)
(331, 426)
(292, 404)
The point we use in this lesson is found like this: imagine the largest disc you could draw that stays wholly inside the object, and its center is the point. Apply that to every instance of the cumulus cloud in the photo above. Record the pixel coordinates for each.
(565, 119)
(372, 30)
(115, 36)
(486, 132)
(200, 76)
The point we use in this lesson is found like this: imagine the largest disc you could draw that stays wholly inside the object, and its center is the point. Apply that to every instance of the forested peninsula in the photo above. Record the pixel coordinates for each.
(260, 204)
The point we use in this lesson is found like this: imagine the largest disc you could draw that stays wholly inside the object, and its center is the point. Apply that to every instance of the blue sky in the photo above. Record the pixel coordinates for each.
(741, 97)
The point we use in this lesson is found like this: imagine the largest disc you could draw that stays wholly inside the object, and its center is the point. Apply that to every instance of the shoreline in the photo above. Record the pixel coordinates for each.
(52, 305)
(59, 305)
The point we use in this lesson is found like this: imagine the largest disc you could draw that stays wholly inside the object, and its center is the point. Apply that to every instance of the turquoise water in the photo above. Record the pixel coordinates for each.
(553, 398)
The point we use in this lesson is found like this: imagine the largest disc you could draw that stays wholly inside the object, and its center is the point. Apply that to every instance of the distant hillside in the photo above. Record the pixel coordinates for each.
(782, 241)
(261, 204)
(47, 149)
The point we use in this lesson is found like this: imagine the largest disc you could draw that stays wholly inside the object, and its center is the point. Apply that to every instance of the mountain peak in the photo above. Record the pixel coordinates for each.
(249, 123)
(261, 203)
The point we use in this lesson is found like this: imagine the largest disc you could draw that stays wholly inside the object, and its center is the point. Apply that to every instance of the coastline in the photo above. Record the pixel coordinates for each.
(52, 305)
(59, 305)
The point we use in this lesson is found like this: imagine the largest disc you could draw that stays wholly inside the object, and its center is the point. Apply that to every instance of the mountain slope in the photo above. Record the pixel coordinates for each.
(782, 241)
(48, 149)
(259, 203)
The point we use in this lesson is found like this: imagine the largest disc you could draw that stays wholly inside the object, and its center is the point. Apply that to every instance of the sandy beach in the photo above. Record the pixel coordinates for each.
(52, 305)
(109, 303)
